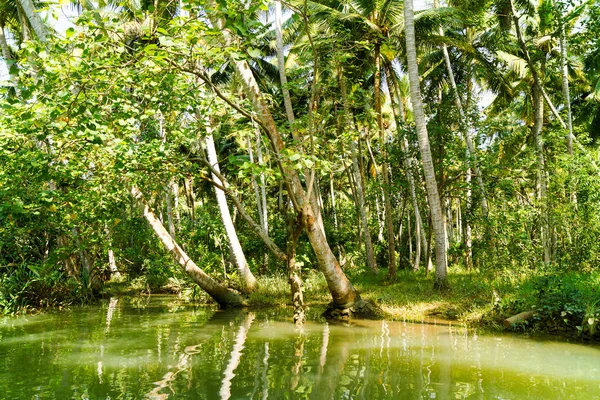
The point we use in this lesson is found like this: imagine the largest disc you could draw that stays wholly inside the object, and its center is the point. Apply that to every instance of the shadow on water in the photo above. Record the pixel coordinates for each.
(164, 348)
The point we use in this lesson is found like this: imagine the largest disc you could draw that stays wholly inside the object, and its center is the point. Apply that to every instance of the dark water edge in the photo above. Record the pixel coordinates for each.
(163, 347)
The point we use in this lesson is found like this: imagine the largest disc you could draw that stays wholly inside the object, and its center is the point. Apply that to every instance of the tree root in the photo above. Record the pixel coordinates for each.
(361, 309)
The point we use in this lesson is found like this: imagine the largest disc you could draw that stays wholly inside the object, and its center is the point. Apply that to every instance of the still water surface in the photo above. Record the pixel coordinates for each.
(161, 347)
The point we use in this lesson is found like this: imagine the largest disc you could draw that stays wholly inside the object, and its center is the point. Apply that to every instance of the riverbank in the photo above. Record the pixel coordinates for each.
(563, 304)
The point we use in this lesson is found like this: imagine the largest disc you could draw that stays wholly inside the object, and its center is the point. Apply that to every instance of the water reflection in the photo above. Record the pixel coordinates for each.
(161, 348)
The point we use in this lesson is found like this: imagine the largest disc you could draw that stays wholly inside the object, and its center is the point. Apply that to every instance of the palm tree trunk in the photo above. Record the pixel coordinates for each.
(465, 126)
(441, 279)
(359, 184)
(538, 104)
(468, 232)
(255, 185)
(287, 102)
(221, 294)
(565, 85)
(387, 204)
(34, 20)
(247, 279)
(407, 160)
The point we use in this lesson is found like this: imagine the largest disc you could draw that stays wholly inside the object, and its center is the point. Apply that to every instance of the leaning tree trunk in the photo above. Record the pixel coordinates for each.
(247, 280)
(465, 126)
(441, 275)
(343, 293)
(221, 294)
(34, 20)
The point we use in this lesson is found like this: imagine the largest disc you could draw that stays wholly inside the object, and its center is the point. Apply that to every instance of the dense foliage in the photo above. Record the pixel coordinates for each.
(132, 94)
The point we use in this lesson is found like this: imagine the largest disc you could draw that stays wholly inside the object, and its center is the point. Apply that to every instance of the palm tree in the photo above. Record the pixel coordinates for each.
(441, 278)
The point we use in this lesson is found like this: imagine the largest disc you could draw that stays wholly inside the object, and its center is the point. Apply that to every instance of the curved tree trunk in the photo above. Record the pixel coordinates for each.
(247, 280)
(441, 278)
(221, 294)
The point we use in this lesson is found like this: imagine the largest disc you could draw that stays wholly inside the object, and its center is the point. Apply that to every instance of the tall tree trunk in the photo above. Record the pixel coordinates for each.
(464, 125)
(287, 102)
(538, 104)
(565, 85)
(441, 278)
(34, 20)
(259, 208)
(357, 176)
(387, 203)
(408, 166)
(170, 214)
(343, 293)
(221, 294)
(333, 207)
(247, 280)
(468, 214)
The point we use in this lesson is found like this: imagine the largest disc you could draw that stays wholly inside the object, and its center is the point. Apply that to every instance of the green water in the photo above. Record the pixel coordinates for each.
(161, 348)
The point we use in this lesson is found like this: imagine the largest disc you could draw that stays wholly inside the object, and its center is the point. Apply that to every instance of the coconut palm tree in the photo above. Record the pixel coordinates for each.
(441, 276)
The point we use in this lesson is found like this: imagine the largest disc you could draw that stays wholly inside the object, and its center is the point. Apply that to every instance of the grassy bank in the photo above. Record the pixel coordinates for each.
(564, 303)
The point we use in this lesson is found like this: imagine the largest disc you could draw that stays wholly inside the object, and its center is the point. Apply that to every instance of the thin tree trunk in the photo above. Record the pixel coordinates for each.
(353, 189)
(468, 214)
(408, 166)
(538, 104)
(464, 124)
(170, 216)
(247, 280)
(255, 185)
(190, 197)
(287, 102)
(565, 85)
(333, 208)
(221, 294)
(343, 293)
(387, 203)
(357, 177)
(441, 279)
